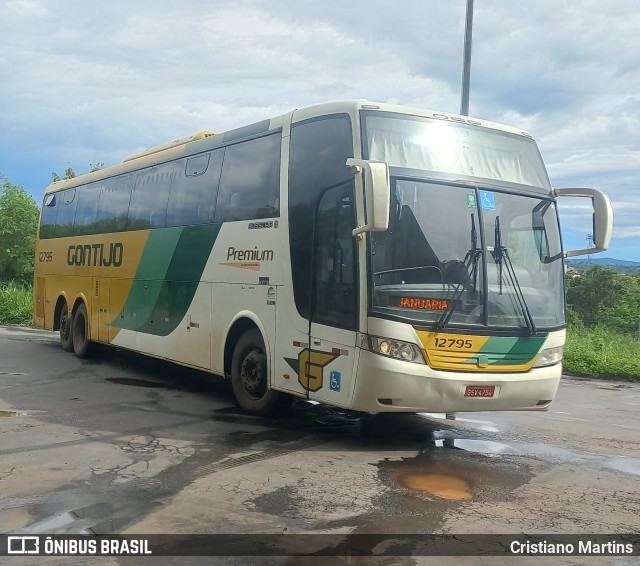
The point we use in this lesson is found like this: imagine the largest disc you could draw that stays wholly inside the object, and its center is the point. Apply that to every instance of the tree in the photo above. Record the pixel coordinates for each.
(603, 297)
(69, 173)
(623, 315)
(18, 225)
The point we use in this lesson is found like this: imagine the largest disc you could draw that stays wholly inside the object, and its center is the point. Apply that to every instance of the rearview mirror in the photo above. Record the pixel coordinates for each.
(602, 218)
(376, 194)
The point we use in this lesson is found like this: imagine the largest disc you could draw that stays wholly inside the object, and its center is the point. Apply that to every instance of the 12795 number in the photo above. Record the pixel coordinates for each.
(453, 343)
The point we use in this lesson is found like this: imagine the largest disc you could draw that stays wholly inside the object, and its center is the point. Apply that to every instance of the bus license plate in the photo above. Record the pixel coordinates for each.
(479, 390)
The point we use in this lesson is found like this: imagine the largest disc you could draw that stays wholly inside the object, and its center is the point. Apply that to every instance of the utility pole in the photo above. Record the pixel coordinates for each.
(589, 243)
(466, 65)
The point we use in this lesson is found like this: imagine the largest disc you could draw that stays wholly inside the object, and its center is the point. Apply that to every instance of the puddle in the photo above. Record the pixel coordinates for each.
(446, 481)
(487, 447)
(485, 425)
(546, 452)
(444, 487)
(38, 340)
(51, 524)
(85, 520)
(9, 413)
(626, 464)
(456, 475)
(139, 382)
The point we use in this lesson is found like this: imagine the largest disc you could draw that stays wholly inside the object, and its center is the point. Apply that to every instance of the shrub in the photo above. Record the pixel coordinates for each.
(602, 352)
(16, 304)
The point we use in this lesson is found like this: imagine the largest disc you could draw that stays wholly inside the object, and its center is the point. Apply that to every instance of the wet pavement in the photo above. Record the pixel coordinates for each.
(127, 444)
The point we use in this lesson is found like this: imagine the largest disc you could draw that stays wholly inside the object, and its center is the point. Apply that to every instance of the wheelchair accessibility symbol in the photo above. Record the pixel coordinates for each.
(487, 200)
(334, 380)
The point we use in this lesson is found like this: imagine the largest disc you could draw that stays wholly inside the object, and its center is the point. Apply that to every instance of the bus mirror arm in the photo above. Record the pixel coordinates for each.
(602, 218)
(376, 194)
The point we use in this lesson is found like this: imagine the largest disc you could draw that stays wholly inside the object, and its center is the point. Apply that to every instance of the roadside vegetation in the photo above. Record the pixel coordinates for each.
(603, 306)
(602, 338)
(602, 352)
(18, 224)
(16, 303)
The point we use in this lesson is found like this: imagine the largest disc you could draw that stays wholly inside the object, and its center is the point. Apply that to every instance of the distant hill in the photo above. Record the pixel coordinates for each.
(620, 265)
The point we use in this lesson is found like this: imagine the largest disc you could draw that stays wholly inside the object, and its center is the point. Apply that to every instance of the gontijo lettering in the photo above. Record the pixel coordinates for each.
(249, 255)
(89, 255)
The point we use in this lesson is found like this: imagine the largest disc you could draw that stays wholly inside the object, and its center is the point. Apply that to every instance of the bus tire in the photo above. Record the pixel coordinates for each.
(80, 332)
(250, 376)
(66, 328)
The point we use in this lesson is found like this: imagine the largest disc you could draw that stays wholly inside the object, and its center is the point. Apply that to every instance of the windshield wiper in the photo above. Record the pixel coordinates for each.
(501, 256)
(471, 266)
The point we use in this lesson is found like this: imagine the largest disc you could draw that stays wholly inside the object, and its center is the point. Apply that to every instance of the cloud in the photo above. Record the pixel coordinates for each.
(85, 82)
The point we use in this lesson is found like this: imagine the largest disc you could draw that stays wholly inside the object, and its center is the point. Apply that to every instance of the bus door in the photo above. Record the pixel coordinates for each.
(100, 309)
(329, 371)
(119, 311)
(191, 340)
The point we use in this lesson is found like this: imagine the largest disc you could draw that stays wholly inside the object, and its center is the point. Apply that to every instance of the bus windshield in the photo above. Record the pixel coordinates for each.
(468, 256)
(436, 148)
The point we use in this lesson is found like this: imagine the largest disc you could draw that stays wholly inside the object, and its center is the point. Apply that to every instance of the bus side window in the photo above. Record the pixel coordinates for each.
(66, 214)
(194, 190)
(115, 194)
(48, 216)
(319, 151)
(335, 294)
(87, 209)
(148, 205)
(250, 180)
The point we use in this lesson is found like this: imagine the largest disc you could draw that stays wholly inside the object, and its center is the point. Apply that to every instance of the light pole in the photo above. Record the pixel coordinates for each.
(466, 65)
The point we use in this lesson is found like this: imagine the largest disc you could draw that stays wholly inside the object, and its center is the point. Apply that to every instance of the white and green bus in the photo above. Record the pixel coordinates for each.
(368, 256)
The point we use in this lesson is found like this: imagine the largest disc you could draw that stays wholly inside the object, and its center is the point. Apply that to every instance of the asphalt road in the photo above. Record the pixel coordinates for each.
(126, 444)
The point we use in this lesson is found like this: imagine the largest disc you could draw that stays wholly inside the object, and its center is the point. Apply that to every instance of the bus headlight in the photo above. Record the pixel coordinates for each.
(549, 357)
(396, 349)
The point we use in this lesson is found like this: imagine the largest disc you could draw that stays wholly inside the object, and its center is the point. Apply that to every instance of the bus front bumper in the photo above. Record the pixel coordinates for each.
(387, 385)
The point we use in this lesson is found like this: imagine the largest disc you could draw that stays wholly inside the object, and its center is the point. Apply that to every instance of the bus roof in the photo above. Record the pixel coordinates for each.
(205, 140)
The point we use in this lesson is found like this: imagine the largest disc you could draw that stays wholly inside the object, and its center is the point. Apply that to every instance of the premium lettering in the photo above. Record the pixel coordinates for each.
(249, 255)
(95, 255)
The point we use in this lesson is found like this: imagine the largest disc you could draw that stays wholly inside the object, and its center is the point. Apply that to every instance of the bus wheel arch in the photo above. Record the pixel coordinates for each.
(80, 329)
(63, 321)
(237, 329)
(246, 361)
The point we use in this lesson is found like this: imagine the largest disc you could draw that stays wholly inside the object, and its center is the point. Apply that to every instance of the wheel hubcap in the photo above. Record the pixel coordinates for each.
(251, 374)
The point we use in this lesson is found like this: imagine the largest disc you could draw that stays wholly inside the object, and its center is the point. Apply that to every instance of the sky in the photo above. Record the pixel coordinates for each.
(93, 82)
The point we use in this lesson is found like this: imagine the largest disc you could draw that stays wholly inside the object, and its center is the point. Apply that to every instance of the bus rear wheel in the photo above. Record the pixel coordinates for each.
(66, 329)
(250, 376)
(80, 332)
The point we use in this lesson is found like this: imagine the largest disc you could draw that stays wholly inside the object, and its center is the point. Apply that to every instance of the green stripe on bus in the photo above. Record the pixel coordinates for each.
(167, 278)
(508, 350)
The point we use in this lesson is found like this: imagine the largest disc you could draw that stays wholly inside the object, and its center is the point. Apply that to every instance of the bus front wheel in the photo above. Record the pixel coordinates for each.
(66, 329)
(80, 332)
(250, 377)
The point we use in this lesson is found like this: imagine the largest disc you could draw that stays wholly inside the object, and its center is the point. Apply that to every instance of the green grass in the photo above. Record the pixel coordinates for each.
(16, 304)
(601, 352)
